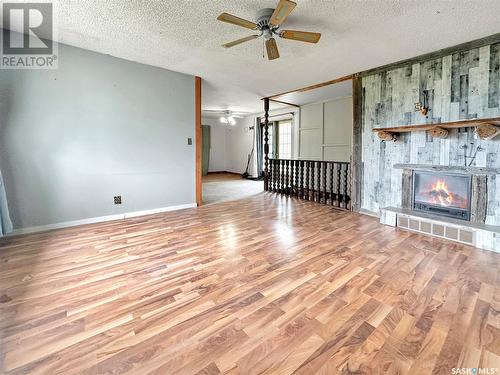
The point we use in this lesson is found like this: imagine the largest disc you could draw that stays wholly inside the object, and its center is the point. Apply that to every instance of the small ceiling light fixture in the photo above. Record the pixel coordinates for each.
(228, 119)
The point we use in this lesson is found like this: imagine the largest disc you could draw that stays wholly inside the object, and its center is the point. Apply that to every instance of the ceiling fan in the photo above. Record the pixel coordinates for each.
(227, 116)
(268, 23)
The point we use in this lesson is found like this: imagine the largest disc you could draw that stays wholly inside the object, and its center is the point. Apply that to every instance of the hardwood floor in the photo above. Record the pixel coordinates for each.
(264, 285)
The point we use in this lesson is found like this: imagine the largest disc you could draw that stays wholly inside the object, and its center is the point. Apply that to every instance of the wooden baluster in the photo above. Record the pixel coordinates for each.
(338, 183)
(320, 190)
(282, 190)
(273, 176)
(276, 175)
(266, 144)
(309, 169)
(318, 182)
(325, 170)
(270, 179)
(296, 175)
(278, 165)
(311, 172)
(306, 185)
(318, 178)
(331, 184)
(301, 191)
(317, 172)
(345, 184)
(295, 181)
(349, 185)
(289, 167)
(287, 177)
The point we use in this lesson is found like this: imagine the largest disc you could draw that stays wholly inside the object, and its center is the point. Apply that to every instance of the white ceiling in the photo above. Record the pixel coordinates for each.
(184, 35)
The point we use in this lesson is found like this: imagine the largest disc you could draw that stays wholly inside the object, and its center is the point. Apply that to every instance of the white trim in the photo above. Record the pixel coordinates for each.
(99, 219)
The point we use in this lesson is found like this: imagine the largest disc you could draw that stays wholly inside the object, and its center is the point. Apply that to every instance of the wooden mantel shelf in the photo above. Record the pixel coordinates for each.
(486, 128)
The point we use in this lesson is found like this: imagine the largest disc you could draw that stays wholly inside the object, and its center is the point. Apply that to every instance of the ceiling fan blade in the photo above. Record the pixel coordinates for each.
(272, 49)
(229, 18)
(302, 36)
(239, 41)
(282, 12)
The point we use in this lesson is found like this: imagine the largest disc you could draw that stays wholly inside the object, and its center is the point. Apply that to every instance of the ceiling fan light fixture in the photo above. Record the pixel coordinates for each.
(268, 22)
(228, 120)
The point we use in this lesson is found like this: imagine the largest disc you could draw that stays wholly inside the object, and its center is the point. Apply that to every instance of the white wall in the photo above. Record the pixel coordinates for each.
(325, 131)
(96, 127)
(239, 143)
(217, 161)
(231, 145)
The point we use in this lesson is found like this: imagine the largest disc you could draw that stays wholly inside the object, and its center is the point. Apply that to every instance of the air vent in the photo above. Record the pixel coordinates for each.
(444, 230)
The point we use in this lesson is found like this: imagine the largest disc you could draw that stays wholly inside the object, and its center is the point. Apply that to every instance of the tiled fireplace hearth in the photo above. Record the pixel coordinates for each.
(447, 202)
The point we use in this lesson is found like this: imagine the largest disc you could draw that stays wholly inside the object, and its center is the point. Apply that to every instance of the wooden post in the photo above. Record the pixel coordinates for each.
(266, 144)
(197, 132)
(356, 164)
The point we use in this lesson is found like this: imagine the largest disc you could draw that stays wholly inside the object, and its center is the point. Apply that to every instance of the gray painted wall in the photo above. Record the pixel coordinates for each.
(98, 126)
(461, 86)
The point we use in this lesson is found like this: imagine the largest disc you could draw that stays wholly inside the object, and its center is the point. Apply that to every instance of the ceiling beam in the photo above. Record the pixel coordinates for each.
(312, 87)
(282, 102)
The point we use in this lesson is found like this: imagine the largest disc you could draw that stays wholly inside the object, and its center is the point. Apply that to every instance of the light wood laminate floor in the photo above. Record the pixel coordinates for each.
(264, 285)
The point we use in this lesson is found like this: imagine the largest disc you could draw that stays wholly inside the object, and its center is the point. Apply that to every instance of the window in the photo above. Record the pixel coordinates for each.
(271, 141)
(280, 139)
(285, 139)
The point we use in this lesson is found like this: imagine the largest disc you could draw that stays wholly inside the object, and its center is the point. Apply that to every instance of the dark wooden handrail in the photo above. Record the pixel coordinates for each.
(326, 182)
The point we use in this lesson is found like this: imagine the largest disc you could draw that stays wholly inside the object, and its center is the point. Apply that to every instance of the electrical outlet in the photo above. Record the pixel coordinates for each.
(190, 141)
(118, 199)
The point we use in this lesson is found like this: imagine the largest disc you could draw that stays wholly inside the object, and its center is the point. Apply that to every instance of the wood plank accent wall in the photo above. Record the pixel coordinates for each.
(460, 85)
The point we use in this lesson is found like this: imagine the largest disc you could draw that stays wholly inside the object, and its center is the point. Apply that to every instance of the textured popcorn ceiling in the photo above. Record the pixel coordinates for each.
(184, 35)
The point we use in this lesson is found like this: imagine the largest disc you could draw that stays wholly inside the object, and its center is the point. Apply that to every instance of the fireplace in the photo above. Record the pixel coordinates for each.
(449, 202)
(445, 194)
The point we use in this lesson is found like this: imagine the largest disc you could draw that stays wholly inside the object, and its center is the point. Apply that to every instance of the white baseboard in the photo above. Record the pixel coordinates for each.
(99, 219)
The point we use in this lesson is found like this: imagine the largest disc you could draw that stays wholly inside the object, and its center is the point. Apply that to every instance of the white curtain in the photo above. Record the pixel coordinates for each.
(5, 222)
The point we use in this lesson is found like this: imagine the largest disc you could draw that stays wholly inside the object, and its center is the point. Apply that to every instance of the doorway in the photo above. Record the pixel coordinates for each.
(229, 153)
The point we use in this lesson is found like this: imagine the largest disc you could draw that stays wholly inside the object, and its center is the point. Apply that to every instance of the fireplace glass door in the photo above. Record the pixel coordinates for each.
(442, 194)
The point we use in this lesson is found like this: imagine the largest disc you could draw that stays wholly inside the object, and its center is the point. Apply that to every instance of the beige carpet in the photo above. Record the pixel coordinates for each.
(222, 187)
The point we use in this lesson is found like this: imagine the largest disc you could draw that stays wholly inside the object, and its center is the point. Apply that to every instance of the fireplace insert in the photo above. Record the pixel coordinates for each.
(443, 194)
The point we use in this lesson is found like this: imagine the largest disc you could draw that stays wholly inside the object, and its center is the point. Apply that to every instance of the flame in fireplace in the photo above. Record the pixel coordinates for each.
(440, 191)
